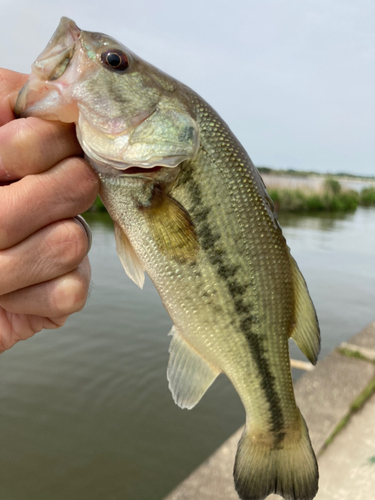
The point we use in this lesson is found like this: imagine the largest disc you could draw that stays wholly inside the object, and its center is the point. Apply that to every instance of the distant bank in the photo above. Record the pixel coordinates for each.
(300, 192)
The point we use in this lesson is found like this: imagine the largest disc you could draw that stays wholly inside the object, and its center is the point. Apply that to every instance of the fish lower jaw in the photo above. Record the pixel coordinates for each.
(115, 170)
(113, 176)
(106, 169)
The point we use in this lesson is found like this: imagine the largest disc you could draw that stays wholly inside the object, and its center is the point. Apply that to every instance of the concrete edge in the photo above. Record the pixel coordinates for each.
(324, 397)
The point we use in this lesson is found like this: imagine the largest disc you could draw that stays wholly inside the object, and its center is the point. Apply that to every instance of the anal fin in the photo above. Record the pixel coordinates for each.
(189, 374)
(306, 333)
(128, 257)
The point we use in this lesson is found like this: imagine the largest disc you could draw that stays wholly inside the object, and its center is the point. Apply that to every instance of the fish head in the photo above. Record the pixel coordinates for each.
(127, 112)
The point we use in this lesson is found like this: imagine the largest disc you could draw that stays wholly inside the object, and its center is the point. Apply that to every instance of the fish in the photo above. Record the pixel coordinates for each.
(191, 210)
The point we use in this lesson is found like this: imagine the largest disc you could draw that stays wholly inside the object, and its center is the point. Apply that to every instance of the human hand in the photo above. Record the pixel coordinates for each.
(44, 270)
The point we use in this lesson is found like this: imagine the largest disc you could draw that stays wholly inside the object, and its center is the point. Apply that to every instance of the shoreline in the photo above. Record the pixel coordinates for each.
(308, 194)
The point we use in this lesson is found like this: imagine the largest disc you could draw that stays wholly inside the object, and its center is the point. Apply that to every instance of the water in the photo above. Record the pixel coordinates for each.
(86, 413)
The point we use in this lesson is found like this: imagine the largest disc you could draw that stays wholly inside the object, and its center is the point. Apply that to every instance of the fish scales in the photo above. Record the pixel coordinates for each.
(191, 211)
(242, 277)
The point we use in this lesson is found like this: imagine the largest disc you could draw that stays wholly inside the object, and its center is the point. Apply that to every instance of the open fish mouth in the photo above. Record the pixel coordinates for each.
(53, 61)
(50, 65)
(140, 170)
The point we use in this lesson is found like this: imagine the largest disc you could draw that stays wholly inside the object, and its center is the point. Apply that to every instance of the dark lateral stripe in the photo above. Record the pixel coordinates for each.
(227, 272)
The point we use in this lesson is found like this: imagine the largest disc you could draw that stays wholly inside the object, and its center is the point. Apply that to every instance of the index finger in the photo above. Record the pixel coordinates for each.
(29, 145)
(10, 84)
(32, 145)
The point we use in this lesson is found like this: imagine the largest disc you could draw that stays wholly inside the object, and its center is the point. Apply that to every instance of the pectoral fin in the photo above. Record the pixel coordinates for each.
(128, 257)
(306, 333)
(189, 374)
(172, 228)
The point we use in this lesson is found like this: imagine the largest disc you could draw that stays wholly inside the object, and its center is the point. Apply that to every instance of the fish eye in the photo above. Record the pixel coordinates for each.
(115, 60)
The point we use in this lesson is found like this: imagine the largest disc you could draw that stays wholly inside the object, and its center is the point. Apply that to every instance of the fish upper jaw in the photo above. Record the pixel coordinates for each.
(46, 94)
(58, 52)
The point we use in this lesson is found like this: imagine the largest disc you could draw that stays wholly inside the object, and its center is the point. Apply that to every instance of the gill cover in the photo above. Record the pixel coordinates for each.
(167, 137)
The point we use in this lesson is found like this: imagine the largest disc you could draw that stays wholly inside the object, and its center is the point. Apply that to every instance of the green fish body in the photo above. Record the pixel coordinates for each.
(191, 211)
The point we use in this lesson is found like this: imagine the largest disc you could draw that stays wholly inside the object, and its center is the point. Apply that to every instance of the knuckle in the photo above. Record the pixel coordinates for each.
(71, 294)
(4, 229)
(9, 209)
(25, 129)
(86, 182)
(10, 82)
(58, 137)
(38, 142)
(25, 137)
(72, 245)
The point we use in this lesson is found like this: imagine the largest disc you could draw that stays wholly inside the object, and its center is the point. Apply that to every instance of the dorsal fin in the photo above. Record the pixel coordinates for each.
(189, 374)
(306, 333)
(128, 257)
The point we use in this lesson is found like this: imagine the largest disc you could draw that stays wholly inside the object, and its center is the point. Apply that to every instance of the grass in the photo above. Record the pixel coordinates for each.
(97, 206)
(367, 197)
(326, 200)
(329, 197)
(358, 402)
(336, 431)
(352, 354)
(356, 405)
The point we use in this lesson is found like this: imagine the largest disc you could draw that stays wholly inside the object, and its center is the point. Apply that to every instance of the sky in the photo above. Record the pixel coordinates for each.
(294, 79)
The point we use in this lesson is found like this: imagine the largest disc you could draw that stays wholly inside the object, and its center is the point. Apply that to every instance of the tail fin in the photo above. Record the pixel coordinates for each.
(288, 469)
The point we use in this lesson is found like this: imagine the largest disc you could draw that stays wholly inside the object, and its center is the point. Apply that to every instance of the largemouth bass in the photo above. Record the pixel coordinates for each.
(191, 210)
